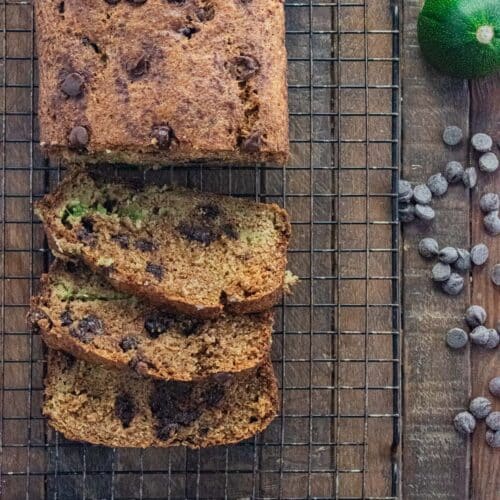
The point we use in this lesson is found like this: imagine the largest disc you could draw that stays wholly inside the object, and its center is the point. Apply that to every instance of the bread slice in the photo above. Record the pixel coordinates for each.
(89, 402)
(193, 252)
(78, 312)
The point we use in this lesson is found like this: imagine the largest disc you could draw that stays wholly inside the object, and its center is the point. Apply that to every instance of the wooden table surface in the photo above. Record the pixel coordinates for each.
(438, 463)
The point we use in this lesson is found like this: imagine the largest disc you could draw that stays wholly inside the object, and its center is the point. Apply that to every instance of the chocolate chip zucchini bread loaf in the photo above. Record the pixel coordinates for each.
(163, 81)
(78, 312)
(88, 402)
(192, 252)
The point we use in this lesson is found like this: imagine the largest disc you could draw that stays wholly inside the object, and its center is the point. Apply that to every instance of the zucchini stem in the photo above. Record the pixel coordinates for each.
(485, 34)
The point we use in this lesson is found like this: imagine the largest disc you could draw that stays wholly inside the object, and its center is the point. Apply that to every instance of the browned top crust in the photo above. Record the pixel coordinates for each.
(163, 81)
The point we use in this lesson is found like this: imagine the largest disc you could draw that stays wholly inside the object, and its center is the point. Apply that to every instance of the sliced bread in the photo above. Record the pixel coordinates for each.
(88, 402)
(78, 312)
(192, 252)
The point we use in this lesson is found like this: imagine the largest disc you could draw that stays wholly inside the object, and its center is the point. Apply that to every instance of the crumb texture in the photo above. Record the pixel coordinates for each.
(88, 402)
(78, 312)
(157, 81)
(193, 252)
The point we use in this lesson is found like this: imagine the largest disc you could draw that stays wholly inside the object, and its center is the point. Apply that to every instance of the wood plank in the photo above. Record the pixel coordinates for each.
(485, 117)
(436, 459)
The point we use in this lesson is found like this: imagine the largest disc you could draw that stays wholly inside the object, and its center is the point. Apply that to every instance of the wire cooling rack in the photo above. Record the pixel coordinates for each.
(336, 346)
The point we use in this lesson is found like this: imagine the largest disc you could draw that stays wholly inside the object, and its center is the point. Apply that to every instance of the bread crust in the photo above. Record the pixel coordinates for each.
(212, 71)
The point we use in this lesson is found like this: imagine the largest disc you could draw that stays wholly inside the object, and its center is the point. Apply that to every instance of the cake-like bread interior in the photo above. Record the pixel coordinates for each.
(88, 402)
(193, 252)
(78, 312)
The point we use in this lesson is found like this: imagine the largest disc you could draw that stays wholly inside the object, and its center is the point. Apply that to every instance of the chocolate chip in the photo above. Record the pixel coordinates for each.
(230, 231)
(209, 210)
(68, 359)
(125, 408)
(78, 137)
(72, 85)
(136, 2)
(158, 324)
(145, 245)
(128, 343)
(189, 326)
(188, 31)
(87, 328)
(166, 430)
(88, 224)
(113, 2)
(155, 269)
(86, 237)
(163, 135)
(137, 66)
(206, 13)
(121, 239)
(252, 143)
(197, 232)
(214, 395)
(243, 67)
(66, 318)
(110, 205)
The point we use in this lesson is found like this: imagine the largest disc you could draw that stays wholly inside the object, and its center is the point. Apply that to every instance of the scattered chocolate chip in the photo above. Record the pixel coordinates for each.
(493, 438)
(437, 184)
(145, 245)
(243, 67)
(428, 248)
(197, 232)
(489, 202)
(87, 328)
(491, 223)
(406, 212)
(494, 386)
(60, 7)
(456, 338)
(493, 339)
(488, 163)
(113, 2)
(480, 335)
(448, 255)
(121, 239)
(128, 343)
(422, 194)
(475, 316)
(454, 172)
(155, 269)
(495, 275)
(441, 272)
(214, 395)
(464, 422)
(125, 408)
(452, 135)
(68, 359)
(470, 177)
(405, 191)
(189, 326)
(464, 262)
(188, 31)
(158, 324)
(425, 212)
(110, 205)
(252, 143)
(136, 2)
(252, 419)
(87, 224)
(482, 142)
(480, 407)
(454, 285)
(493, 420)
(479, 254)
(72, 85)
(78, 138)
(137, 66)
(209, 210)
(230, 231)
(66, 318)
(163, 135)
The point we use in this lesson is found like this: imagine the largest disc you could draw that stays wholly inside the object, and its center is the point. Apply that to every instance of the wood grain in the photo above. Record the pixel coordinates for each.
(485, 117)
(436, 458)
